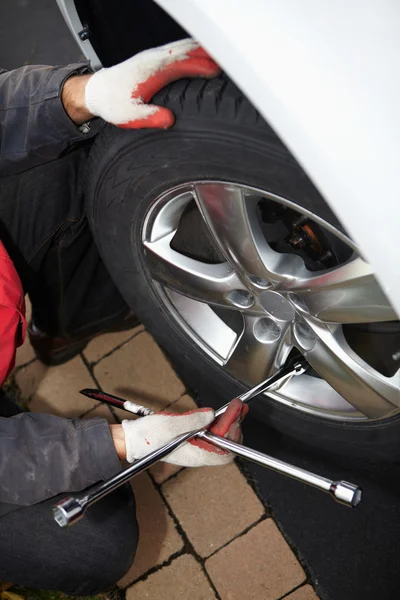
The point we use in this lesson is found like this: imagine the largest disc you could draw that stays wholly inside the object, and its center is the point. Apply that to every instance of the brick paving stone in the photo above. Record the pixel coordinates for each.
(163, 471)
(103, 344)
(183, 404)
(139, 371)
(28, 378)
(183, 579)
(212, 504)
(25, 353)
(159, 538)
(259, 564)
(304, 593)
(58, 391)
(101, 410)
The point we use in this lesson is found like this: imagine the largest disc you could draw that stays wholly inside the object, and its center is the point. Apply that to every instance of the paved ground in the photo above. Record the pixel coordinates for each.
(205, 534)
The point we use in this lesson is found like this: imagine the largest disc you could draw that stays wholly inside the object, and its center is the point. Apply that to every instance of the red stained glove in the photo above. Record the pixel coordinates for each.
(149, 433)
(120, 94)
(227, 426)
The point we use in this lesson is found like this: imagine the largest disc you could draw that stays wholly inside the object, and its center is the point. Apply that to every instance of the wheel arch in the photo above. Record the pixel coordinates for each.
(329, 93)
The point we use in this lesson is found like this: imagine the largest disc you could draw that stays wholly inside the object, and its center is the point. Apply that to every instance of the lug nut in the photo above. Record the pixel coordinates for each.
(304, 336)
(240, 298)
(259, 282)
(298, 302)
(266, 330)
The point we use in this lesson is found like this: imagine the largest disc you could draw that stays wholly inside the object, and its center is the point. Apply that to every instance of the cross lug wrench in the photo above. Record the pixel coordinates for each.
(70, 510)
(342, 491)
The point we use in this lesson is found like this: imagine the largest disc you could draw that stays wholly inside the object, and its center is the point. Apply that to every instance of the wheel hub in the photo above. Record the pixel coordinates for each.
(277, 306)
(251, 309)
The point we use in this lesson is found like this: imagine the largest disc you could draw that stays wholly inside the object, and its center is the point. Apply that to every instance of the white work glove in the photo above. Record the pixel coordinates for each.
(149, 433)
(120, 94)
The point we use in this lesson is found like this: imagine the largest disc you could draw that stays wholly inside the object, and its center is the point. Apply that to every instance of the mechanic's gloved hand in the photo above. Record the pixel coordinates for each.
(120, 94)
(149, 433)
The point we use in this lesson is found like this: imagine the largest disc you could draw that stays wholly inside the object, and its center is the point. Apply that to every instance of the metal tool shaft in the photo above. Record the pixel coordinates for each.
(342, 491)
(70, 510)
(128, 405)
(294, 367)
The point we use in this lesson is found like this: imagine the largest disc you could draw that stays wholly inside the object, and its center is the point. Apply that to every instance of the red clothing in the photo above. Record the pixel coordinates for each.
(12, 314)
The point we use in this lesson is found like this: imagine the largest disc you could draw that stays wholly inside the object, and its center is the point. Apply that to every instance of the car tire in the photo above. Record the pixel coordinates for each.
(218, 135)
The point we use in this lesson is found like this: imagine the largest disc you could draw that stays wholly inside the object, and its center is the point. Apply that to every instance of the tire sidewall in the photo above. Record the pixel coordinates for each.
(131, 174)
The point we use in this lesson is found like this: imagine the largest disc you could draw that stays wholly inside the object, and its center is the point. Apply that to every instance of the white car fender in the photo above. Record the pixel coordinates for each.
(326, 76)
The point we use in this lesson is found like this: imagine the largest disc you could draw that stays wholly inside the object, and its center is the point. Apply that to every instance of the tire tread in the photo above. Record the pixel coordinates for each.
(217, 98)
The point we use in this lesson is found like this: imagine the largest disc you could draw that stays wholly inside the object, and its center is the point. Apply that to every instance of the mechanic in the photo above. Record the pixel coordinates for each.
(48, 119)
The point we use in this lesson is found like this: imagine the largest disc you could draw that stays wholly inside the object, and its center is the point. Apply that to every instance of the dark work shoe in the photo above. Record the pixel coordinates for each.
(54, 351)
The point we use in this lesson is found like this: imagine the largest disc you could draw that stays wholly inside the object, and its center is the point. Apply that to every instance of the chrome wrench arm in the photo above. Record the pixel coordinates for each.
(342, 491)
(294, 367)
(70, 510)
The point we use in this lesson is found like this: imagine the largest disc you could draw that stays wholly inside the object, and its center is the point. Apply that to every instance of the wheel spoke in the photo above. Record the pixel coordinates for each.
(349, 293)
(260, 282)
(374, 395)
(253, 360)
(231, 216)
(198, 280)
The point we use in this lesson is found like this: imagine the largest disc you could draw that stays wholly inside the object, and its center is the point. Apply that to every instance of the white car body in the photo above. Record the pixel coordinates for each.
(325, 75)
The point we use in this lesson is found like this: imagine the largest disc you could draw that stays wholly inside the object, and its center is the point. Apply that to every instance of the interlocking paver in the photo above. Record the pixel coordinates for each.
(304, 593)
(139, 371)
(259, 564)
(58, 391)
(25, 354)
(213, 505)
(29, 378)
(103, 344)
(101, 410)
(183, 579)
(163, 471)
(183, 404)
(159, 538)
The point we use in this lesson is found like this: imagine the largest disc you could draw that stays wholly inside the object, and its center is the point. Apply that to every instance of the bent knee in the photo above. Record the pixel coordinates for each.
(108, 545)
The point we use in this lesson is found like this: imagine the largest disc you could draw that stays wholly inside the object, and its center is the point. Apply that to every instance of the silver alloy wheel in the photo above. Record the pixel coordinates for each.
(282, 304)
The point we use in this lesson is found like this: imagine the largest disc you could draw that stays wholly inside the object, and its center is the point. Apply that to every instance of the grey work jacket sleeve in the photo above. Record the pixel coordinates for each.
(44, 455)
(34, 127)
